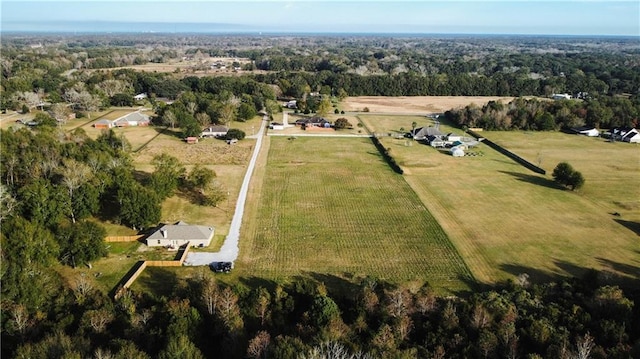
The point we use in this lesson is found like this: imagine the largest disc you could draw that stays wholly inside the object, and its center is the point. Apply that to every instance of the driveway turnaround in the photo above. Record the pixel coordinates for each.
(229, 250)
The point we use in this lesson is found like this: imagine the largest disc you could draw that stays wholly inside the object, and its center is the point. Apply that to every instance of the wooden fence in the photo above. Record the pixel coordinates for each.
(140, 266)
(123, 238)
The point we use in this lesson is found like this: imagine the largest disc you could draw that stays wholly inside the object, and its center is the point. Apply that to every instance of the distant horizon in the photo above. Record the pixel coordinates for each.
(473, 17)
(105, 27)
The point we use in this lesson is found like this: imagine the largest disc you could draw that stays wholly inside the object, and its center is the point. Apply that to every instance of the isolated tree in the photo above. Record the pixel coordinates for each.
(565, 175)
(342, 123)
(413, 128)
(235, 133)
(200, 178)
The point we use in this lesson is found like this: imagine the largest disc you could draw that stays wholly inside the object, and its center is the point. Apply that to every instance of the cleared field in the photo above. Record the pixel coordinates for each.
(506, 220)
(415, 104)
(332, 206)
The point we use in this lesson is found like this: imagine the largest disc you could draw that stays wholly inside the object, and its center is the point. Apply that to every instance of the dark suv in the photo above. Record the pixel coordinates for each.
(221, 267)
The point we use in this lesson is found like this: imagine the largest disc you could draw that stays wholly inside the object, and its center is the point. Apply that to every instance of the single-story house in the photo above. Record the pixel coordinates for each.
(587, 131)
(632, 136)
(276, 126)
(103, 124)
(312, 122)
(179, 234)
(561, 96)
(620, 133)
(191, 140)
(132, 119)
(215, 131)
(290, 104)
(140, 96)
(423, 133)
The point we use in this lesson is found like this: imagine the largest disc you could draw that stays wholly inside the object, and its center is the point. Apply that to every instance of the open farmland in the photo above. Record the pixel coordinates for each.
(332, 206)
(506, 220)
(415, 104)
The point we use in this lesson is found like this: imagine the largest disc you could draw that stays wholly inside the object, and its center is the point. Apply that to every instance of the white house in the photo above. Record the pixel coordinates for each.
(215, 131)
(179, 234)
(140, 96)
(132, 119)
(290, 104)
(276, 126)
(587, 131)
(632, 136)
(561, 96)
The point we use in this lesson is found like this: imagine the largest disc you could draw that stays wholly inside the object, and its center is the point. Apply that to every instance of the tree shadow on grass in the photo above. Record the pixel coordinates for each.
(633, 226)
(176, 132)
(158, 281)
(537, 180)
(625, 276)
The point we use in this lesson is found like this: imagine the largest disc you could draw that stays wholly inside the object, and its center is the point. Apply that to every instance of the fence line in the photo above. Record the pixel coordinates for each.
(132, 275)
(122, 238)
(509, 154)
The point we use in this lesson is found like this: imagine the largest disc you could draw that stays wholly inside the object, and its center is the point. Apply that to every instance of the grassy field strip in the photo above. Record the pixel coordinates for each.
(333, 206)
(464, 238)
(515, 221)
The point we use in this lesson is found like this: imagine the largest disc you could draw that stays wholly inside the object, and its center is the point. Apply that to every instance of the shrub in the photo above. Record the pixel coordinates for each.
(235, 133)
(565, 175)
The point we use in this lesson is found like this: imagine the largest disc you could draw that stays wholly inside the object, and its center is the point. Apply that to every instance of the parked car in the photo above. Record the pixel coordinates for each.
(222, 267)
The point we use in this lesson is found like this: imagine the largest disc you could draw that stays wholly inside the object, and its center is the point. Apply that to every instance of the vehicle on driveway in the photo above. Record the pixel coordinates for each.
(221, 267)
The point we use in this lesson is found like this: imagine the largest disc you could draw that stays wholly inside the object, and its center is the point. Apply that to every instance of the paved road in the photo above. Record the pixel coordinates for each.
(229, 250)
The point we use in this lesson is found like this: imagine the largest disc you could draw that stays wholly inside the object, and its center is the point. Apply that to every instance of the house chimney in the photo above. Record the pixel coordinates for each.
(164, 233)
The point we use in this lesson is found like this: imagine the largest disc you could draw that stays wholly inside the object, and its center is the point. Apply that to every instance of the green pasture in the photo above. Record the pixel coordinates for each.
(332, 206)
(506, 220)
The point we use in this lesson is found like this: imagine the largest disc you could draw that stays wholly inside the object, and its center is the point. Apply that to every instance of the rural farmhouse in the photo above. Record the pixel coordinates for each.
(215, 131)
(132, 119)
(178, 234)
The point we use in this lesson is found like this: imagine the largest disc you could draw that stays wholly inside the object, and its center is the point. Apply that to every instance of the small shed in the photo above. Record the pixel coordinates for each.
(191, 140)
(103, 124)
(457, 152)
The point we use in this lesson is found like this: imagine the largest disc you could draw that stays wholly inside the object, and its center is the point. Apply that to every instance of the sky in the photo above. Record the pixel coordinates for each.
(535, 17)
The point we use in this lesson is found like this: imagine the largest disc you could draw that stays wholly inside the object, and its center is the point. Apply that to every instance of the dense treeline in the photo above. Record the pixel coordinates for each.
(202, 317)
(499, 66)
(541, 115)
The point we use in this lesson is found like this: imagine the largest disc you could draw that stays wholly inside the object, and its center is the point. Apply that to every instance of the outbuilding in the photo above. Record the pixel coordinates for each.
(457, 151)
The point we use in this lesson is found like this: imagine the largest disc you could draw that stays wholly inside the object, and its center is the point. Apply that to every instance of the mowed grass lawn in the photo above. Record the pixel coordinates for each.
(332, 206)
(506, 220)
